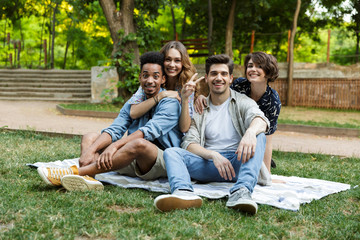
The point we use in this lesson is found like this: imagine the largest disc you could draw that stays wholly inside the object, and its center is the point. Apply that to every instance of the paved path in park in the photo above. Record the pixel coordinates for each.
(43, 116)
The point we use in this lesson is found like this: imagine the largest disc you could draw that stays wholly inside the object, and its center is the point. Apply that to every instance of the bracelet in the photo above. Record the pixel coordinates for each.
(156, 100)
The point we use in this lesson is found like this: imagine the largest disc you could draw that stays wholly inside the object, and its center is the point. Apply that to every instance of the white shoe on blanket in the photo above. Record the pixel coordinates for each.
(180, 199)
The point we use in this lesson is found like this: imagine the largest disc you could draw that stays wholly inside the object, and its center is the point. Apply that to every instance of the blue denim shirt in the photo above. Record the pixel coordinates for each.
(160, 123)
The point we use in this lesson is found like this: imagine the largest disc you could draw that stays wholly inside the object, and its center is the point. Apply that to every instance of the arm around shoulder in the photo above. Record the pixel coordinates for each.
(165, 118)
(138, 110)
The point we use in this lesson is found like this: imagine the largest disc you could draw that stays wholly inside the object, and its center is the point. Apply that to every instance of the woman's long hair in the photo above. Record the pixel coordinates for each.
(188, 69)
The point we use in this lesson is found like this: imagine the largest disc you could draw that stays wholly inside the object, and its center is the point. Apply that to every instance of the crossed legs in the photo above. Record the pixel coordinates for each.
(140, 150)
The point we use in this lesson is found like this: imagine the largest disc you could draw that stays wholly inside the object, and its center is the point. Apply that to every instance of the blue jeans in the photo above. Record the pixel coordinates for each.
(182, 166)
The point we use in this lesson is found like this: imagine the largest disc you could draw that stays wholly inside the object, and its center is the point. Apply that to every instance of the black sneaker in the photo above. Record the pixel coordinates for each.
(241, 200)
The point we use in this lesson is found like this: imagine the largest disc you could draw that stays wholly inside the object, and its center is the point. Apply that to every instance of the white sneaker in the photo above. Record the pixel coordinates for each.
(81, 183)
(178, 200)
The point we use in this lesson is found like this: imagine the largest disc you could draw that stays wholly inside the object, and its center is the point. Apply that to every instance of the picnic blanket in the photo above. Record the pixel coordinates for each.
(289, 195)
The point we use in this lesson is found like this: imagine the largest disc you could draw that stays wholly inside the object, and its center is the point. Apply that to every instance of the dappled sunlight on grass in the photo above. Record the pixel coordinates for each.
(320, 117)
(28, 207)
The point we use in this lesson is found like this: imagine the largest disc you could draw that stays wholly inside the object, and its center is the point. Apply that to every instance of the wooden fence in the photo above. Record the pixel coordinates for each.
(340, 93)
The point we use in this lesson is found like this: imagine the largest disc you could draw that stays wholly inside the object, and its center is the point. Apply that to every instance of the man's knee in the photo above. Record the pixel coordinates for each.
(171, 152)
(89, 138)
(144, 152)
(140, 145)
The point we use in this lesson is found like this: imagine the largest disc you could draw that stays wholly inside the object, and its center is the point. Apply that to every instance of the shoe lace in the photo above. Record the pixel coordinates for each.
(242, 192)
(58, 173)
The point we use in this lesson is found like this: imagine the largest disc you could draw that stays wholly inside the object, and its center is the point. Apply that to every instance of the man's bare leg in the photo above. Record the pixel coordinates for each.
(86, 141)
(142, 150)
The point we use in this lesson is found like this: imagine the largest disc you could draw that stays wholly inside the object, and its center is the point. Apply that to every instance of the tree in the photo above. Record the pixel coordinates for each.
(53, 34)
(230, 30)
(335, 11)
(355, 26)
(210, 27)
(197, 18)
(173, 20)
(291, 54)
(44, 17)
(121, 21)
(15, 11)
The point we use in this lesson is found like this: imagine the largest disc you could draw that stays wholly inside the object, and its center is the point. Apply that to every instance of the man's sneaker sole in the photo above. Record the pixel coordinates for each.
(247, 206)
(42, 172)
(170, 202)
(79, 183)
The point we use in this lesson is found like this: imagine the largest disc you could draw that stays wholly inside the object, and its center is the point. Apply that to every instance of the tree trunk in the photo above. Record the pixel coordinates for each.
(18, 53)
(277, 47)
(53, 37)
(240, 56)
(173, 21)
(5, 33)
(357, 42)
(291, 55)
(113, 18)
(73, 54)
(230, 30)
(210, 28)
(21, 34)
(67, 47)
(183, 29)
(66, 51)
(41, 38)
(117, 20)
(49, 41)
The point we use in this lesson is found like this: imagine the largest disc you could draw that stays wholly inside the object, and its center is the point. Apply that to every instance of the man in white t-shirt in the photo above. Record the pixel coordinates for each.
(225, 143)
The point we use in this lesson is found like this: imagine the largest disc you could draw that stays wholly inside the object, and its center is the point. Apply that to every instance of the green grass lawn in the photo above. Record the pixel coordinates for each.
(320, 117)
(101, 107)
(29, 209)
(288, 115)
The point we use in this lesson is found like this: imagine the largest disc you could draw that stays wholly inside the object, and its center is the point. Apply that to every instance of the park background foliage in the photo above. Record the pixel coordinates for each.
(82, 38)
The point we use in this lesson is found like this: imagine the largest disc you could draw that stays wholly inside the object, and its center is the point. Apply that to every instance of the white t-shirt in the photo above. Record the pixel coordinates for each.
(220, 133)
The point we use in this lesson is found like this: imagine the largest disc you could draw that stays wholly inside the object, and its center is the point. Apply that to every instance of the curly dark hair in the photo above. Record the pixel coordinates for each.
(152, 57)
(267, 62)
